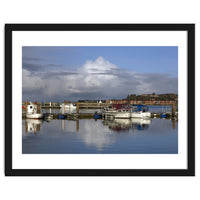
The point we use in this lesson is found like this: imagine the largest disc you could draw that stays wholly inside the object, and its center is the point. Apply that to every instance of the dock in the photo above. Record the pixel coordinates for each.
(81, 105)
(85, 105)
(75, 116)
(92, 105)
(70, 116)
(53, 107)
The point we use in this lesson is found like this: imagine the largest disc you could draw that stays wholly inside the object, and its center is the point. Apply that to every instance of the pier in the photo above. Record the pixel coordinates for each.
(75, 116)
(81, 105)
(70, 116)
(172, 113)
(53, 107)
(92, 105)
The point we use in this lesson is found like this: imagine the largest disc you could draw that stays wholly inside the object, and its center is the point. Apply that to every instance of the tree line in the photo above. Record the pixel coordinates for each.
(153, 96)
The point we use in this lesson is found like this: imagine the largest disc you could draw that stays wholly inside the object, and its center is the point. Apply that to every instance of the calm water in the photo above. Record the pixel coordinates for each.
(89, 136)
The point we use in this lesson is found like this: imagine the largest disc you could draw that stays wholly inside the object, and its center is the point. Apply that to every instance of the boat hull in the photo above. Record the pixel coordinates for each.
(96, 116)
(61, 116)
(122, 115)
(140, 115)
(163, 115)
(34, 116)
(118, 115)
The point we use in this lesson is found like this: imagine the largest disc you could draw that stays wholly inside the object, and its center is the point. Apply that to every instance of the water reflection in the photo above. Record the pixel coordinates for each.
(93, 134)
(174, 123)
(100, 136)
(117, 124)
(140, 124)
(33, 125)
(121, 125)
(63, 124)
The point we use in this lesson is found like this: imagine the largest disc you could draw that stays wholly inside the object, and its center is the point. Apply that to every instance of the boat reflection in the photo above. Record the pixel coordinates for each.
(33, 125)
(104, 136)
(140, 124)
(63, 127)
(117, 124)
(127, 124)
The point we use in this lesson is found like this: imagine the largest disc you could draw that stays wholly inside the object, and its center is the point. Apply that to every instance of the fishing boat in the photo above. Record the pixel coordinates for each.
(118, 111)
(33, 111)
(140, 111)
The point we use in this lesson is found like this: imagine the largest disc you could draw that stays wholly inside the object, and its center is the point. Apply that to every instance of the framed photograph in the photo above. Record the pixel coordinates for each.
(99, 100)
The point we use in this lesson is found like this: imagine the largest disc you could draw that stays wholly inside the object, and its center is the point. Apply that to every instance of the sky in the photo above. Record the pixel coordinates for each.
(97, 73)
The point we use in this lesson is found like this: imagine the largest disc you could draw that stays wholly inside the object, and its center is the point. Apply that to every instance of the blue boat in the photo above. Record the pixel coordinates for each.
(140, 111)
(163, 115)
(97, 116)
(61, 116)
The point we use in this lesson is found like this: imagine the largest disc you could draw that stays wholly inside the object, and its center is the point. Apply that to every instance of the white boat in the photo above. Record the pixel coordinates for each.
(68, 106)
(32, 112)
(122, 115)
(140, 111)
(117, 111)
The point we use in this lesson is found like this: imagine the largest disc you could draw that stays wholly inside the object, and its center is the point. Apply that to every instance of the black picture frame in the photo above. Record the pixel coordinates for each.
(189, 28)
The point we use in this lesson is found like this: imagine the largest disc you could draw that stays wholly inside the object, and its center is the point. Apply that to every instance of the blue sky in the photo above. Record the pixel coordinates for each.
(74, 73)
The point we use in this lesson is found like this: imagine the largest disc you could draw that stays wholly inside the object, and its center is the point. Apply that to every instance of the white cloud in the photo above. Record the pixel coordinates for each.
(95, 79)
(31, 82)
(100, 65)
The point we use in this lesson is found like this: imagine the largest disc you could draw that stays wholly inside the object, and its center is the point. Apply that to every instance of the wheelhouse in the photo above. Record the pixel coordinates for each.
(140, 108)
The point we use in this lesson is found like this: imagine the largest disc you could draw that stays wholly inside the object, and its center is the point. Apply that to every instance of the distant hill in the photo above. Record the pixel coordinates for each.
(148, 97)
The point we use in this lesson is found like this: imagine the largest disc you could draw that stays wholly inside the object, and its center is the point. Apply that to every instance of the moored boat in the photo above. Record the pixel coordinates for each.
(97, 115)
(118, 111)
(61, 116)
(140, 111)
(33, 111)
(163, 115)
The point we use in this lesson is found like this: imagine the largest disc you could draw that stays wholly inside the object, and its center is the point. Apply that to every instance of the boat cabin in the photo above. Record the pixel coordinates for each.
(140, 108)
(120, 107)
(31, 108)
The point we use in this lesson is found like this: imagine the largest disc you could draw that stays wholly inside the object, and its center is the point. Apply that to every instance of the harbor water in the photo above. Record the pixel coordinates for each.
(90, 136)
